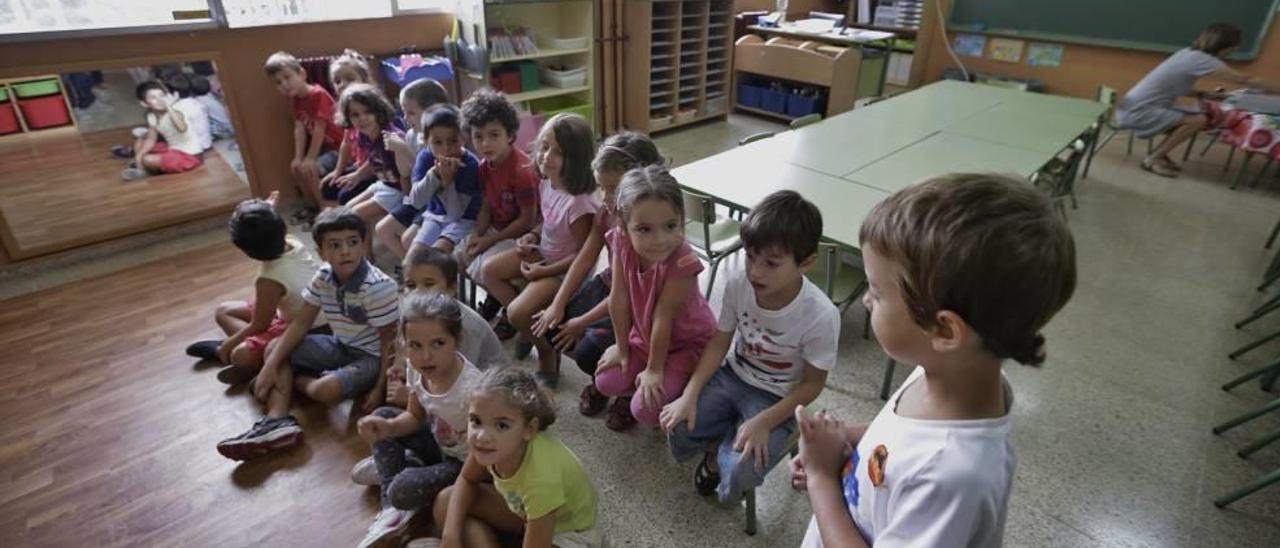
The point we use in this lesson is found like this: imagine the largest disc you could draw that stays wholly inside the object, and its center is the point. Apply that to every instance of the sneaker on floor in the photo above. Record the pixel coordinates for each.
(1159, 168)
(705, 481)
(205, 350)
(365, 472)
(124, 152)
(591, 402)
(390, 522)
(523, 349)
(235, 375)
(133, 174)
(618, 417)
(425, 542)
(489, 308)
(266, 435)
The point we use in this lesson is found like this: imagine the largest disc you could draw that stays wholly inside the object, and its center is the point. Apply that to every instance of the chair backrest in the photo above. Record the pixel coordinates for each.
(1107, 95)
(806, 120)
(826, 267)
(756, 137)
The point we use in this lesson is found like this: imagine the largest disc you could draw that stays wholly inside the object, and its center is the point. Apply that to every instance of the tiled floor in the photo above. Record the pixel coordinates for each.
(1112, 433)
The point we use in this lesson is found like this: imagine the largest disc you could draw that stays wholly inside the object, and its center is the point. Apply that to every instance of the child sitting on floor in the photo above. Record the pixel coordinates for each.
(315, 137)
(180, 151)
(539, 489)
(660, 319)
(193, 111)
(737, 410)
(965, 270)
(577, 320)
(360, 304)
(440, 381)
(287, 266)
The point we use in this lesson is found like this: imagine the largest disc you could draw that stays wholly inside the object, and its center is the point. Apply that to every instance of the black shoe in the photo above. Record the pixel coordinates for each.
(266, 436)
(705, 481)
(205, 350)
(235, 375)
(489, 308)
(523, 349)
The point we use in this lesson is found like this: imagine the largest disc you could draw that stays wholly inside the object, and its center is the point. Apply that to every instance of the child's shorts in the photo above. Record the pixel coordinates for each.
(175, 161)
(475, 268)
(435, 227)
(386, 196)
(321, 355)
(334, 193)
(257, 344)
(406, 215)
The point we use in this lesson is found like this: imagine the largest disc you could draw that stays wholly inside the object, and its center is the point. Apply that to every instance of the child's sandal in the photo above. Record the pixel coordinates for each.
(705, 480)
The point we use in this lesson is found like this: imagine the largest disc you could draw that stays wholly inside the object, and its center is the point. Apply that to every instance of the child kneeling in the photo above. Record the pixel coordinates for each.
(737, 412)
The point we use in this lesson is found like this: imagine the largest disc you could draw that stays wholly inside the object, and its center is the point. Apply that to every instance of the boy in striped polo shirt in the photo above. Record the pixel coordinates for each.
(360, 303)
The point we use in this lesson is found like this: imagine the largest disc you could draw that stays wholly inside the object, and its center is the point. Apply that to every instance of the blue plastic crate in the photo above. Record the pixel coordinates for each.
(749, 95)
(800, 105)
(774, 101)
(437, 68)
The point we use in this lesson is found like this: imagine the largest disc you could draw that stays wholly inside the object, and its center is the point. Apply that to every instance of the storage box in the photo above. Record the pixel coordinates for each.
(750, 95)
(506, 80)
(528, 76)
(658, 122)
(38, 88)
(579, 42)
(800, 105)
(8, 118)
(47, 111)
(436, 68)
(715, 106)
(774, 101)
(566, 78)
(552, 106)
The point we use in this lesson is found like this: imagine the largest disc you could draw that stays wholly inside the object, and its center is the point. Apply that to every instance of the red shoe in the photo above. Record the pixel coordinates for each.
(619, 418)
(591, 402)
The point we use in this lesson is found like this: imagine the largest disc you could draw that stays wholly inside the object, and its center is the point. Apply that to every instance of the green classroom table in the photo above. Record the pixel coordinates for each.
(848, 163)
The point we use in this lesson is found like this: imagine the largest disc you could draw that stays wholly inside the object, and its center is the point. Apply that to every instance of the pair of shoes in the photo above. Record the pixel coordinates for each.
(365, 472)
(489, 308)
(235, 375)
(205, 350)
(1159, 168)
(133, 174)
(1170, 163)
(619, 418)
(266, 435)
(705, 480)
(504, 330)
(591, 402)
(124, 152)
(390, 522)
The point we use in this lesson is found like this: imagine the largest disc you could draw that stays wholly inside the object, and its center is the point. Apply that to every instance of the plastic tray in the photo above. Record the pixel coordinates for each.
(552, 106)
(579, 42)
(38, 88)
(564, 78)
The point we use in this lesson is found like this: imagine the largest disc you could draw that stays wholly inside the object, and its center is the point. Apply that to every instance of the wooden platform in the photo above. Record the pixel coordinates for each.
(61, 189)
(109, 430)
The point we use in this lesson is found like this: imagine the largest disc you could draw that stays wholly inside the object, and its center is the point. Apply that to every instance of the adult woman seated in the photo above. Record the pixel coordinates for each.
(1149, 110)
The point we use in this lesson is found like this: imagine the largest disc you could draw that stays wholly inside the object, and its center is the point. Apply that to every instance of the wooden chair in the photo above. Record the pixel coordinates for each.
(712, 238)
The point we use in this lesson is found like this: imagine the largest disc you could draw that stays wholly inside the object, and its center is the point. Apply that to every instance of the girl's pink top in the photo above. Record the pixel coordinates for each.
(693, 324)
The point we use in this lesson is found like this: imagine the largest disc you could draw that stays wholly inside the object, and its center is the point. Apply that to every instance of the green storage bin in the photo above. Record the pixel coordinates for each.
(4, 94)
(529, 76)
(552, 106)
(38, 88)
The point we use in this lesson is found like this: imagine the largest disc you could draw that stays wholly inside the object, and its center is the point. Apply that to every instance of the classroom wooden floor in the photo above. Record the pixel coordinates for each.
(76, 195)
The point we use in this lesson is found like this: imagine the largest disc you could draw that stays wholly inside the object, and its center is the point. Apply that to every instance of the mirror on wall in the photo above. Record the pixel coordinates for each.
(93, 155)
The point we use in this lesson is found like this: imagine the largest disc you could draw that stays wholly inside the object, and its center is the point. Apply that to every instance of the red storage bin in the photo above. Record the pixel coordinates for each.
(8, 119)
(506, 80)
(47, 111)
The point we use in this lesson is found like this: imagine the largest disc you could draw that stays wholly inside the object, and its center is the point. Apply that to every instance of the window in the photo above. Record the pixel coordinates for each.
(254, 13)
(41, 16)
(412, 6)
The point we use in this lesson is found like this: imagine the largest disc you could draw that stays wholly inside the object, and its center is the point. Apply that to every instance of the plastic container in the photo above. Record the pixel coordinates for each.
(437, 68)
(552, 106)
(716, 106)
(750, 95)
(47, 111)
(683, 116)
(528, 76)
(800, 105)
(660, 121)
(568, 78)
(4, 94)
(552, 42)
(774, 101)
(8, 118)
(506, 80)
(38, 88)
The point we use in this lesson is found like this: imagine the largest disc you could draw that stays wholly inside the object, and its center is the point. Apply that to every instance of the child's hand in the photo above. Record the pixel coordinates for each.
(395, 373)
(447, 168)
(394, 142)
(546, 320)
(347, 182)
(533, 271)
(569, 334)
(649, 384)
(274, 199)
(799, 481)
(528, 239)
(224, 350)
(753, 442)
(614, 356)
(824, 444)
(295, 166)
(265, 381)
(373, 429)
(329, 178)
(477, 245)
(684, 408)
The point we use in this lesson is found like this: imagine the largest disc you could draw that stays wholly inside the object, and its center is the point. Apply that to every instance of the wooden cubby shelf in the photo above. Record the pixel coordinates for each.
(683, 49)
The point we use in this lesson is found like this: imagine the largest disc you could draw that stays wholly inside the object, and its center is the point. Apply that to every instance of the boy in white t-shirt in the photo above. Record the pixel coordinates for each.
(737, 410)
(180, 150)
(965, 270)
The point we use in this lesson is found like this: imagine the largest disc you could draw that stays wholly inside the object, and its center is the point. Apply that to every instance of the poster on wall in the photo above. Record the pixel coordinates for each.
(1007, 50)
(970, 45)
(1044, 55)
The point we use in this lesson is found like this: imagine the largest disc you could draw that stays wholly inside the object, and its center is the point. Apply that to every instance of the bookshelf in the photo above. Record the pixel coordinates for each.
(677, 62)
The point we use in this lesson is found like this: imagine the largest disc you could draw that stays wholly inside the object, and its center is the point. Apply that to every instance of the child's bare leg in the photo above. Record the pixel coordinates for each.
(281, 395)
(371, 213)
(389, 232)
(487, 515)
(326, 389)
(152, 162)
(536, 296)
(409, 235)
(241, 356)
(232, 316)
(497, 272)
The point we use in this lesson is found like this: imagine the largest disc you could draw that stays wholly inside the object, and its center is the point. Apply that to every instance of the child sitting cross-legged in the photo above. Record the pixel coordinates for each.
(181, 148)
(440, 381)
(965, 270)
(737, 410)
(286, 268)
(360, 304)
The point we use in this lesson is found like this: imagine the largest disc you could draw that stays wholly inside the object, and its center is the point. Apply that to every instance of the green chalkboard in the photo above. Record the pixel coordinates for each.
(1156, 25)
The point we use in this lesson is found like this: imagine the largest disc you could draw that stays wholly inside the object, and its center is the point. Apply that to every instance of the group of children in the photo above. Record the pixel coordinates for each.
(183, 118)
(964, 272)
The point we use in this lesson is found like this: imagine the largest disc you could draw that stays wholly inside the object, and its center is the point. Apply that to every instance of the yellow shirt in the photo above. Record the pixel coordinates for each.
(550, 479)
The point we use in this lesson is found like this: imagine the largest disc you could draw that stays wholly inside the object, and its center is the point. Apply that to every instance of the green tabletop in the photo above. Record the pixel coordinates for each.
(1023, 125)
(947, 153)
(737, 177)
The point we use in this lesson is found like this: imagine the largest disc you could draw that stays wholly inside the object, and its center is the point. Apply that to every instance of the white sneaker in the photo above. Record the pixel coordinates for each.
(365, 472)
(425, 542)
(390, 522)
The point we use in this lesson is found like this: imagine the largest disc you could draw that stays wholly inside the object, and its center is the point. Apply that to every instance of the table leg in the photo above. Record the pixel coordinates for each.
(1244, 167)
